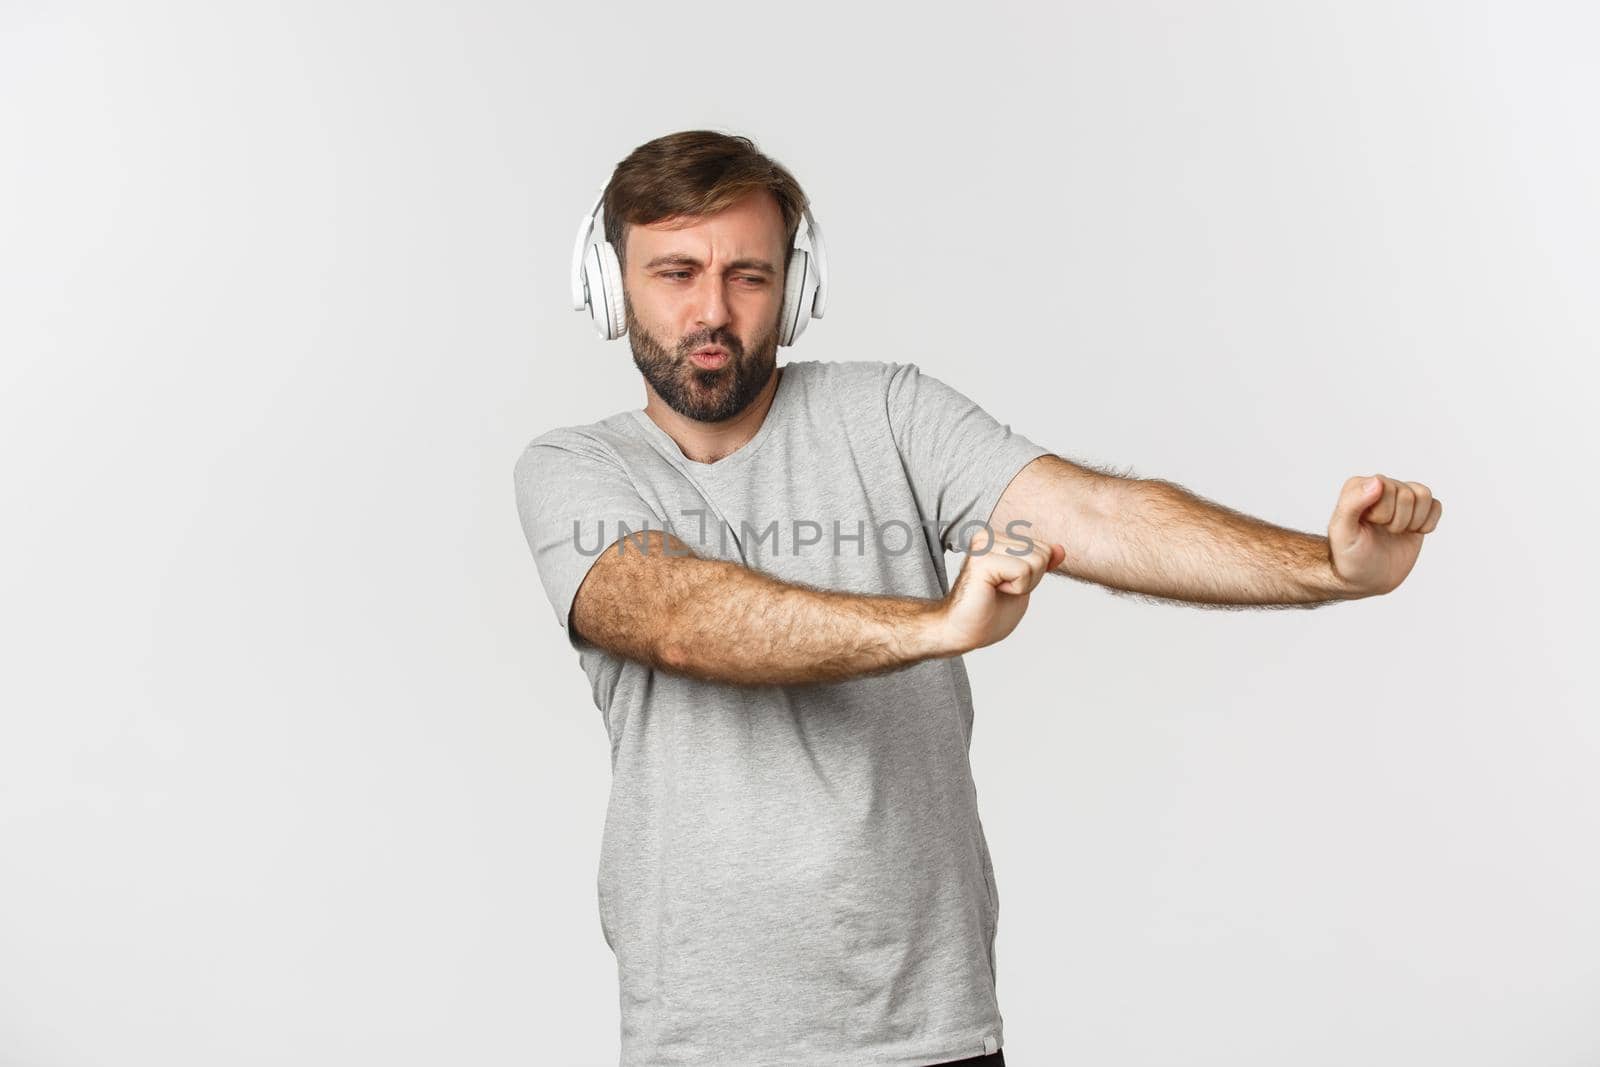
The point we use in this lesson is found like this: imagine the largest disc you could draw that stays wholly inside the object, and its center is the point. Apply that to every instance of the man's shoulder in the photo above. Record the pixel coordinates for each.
(601, 440)
(844, 369)
(851, 376)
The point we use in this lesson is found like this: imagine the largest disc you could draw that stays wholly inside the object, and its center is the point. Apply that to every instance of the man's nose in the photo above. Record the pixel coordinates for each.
(711, 304)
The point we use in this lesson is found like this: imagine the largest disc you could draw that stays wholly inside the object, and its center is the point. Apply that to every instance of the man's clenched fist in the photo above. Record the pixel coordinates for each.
(1376, 531)
(990, 596)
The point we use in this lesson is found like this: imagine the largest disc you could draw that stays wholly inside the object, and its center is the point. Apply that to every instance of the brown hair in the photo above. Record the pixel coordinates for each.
(695, 173)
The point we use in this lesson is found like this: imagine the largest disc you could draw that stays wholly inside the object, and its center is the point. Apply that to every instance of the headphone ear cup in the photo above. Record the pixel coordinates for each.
(594, 282)
(611, 288)
(602, 277)
(798, 286)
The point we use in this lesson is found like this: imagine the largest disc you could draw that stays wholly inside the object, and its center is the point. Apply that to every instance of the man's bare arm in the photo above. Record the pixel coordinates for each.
(655, 602)
(1156, 538)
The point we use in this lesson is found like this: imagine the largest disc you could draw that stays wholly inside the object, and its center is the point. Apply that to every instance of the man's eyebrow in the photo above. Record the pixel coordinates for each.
(683, 259)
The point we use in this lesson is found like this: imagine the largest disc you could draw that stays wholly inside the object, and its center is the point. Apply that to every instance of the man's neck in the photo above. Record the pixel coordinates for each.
(708, 442)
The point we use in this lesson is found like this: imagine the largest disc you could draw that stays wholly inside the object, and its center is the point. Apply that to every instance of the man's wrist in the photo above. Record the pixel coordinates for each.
(1323, 582)
(925, 633)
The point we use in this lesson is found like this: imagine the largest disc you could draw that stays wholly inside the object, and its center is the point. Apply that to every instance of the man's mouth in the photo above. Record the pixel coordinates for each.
(710, 357)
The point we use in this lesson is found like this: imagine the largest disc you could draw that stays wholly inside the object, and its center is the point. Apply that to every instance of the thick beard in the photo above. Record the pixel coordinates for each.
(695, 392)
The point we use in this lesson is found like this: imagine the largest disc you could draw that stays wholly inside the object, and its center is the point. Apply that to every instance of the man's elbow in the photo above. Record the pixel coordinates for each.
(671, 654)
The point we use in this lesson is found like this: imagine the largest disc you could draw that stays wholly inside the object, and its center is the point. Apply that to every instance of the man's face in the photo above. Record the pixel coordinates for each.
(715, 282)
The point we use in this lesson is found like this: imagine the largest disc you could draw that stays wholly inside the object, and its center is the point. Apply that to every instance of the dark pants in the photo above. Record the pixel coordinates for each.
(998, 1059)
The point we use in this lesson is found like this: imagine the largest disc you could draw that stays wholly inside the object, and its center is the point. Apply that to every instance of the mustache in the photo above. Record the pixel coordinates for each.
(690, 345)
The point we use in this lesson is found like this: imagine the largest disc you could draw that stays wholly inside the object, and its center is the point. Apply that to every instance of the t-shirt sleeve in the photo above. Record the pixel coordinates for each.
(959, 457)
(574, 500)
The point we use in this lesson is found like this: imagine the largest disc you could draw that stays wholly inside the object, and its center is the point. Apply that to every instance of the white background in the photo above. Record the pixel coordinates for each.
(295, 765)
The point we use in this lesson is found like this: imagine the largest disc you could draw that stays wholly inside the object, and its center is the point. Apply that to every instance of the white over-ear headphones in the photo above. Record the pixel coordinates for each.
(597, 278)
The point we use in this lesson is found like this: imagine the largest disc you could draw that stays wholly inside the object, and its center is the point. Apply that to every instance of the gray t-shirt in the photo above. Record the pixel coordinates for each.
(791, 874)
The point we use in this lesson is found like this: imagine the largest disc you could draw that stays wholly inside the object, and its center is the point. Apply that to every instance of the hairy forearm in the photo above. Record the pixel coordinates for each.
(724, 622)
(1161, 540)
